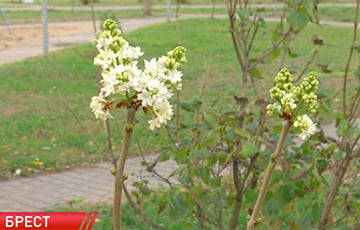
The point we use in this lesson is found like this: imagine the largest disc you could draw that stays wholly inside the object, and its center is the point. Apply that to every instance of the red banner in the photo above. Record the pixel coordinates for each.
(47, 220)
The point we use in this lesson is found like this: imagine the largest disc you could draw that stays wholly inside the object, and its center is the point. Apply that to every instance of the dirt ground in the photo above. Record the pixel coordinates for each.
(30, 34)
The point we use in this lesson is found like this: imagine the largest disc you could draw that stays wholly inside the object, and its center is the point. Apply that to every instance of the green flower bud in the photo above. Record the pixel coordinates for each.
(110, 25)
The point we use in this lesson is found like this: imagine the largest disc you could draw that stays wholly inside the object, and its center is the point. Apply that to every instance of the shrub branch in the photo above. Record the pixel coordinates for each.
(119, 176)
(272, 163)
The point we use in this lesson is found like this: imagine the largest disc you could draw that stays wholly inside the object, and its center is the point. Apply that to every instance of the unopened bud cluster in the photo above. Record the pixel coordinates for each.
(150, 88)
(292, 100)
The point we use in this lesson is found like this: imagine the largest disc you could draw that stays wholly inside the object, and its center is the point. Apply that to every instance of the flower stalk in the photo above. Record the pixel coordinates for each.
(255, 218)
(120, 166)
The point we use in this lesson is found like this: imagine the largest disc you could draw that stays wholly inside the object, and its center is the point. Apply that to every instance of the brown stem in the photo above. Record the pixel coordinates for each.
(151, 167)
(93, 16)
(267, 52)
(272, 163)
(119, 177)
(310, 60)
(200, 216)
(239, 187)
(239, 193)
(347, 67)
(355, 107)
(330, 199)
(108, 141)
(256, 29)
(232, 18)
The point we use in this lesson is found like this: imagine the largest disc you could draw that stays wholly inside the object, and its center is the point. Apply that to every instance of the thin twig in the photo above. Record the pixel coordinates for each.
(312, 56)
(93, 16)
(151, 167)
(83, 127)
(231, 13)
(347, 67)
(334, 189)
(266, 53)
(109, 142)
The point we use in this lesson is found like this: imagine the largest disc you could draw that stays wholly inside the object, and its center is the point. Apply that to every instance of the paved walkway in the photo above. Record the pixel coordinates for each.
(59, 189)
(91, 184)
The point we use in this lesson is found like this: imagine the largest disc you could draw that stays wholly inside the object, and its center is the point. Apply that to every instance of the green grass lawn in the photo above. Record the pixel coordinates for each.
(39, 133)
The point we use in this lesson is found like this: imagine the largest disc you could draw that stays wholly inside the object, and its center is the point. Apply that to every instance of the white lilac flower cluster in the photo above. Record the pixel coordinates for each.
(305, 126)
(292, 100)
(150, 88)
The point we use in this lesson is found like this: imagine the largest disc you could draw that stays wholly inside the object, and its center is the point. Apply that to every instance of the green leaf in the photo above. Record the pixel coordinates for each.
(191, 106)
(294, 54)
(316, 211)
(357, 48)
(78, 200)
(298, 20)
(211, 160)
(261, 22)
(277, 34)
(325, 105)
(276, 176)
(197, 189)
(243, 133)
(143, 187)
(162, 203)
(181, 155)
(203, 172)
(357, 207)
(244, 13)
(184, 176)
(357, 73)
(251, 195)
(196, 103)
(338, 155)
(342, 128)
(286, 193)
(186, 105)
(229, 135)
(223, 157)
(353, 133)
(249, 149)
(255, 73)
(210, 118)
(163, 157)
(321, 165)
(179, 204)
(216, 182)
(273, 55)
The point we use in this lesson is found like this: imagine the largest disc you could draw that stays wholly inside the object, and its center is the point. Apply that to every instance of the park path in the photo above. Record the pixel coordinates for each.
(92, 184)
(88, 185)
